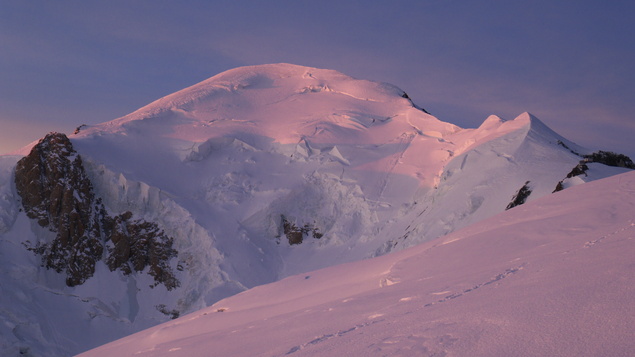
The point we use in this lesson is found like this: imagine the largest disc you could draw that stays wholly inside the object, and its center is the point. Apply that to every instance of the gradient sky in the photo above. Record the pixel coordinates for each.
(570, 63)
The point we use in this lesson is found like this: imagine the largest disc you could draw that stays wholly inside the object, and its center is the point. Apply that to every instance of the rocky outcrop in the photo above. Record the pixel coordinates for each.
(406, 96)
(137, 244)
(610, 159)
(602, 157)
(295, 234)
(56, 192)
(520, 197)
(579, 169)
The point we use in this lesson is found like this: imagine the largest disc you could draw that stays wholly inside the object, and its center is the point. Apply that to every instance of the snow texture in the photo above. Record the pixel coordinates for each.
(550, 278)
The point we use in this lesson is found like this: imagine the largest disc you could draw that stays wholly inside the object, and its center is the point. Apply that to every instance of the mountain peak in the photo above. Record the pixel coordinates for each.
(492, 121)
(530, 119)
(284, 102)
(538, 130)
(285, 79)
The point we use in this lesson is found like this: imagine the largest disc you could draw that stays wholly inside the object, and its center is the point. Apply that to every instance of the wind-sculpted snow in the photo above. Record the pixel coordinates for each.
(257, 174)
(549, 278)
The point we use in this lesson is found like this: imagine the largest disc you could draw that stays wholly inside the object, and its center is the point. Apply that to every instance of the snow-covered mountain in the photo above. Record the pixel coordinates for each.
(254, 175)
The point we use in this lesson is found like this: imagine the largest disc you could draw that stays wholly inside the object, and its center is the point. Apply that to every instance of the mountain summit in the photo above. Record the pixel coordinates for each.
(253, 175)
(283, 102)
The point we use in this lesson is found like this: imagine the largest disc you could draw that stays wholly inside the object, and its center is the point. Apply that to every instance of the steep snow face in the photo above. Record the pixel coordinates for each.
(260, 173)
(494, 289)
(487, 169)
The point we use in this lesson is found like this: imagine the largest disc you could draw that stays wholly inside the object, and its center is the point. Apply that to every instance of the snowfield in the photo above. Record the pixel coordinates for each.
(551, 278)
(269, 172)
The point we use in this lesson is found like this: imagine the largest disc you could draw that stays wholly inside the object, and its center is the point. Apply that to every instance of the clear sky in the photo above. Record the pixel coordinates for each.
(570, 63)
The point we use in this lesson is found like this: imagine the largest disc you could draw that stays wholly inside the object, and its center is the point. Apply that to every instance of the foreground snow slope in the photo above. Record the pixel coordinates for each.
(551, 278)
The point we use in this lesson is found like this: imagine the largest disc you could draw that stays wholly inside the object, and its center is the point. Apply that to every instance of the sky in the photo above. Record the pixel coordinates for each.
(570, 63)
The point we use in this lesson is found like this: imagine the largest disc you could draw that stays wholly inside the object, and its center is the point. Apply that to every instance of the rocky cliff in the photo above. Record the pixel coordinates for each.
(56, 192)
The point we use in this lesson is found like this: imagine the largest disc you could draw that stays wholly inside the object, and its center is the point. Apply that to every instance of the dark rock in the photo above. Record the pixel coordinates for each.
(138, 244)
(406, 96)
(568, 148)
(295, 234)
(520, 197)
(79, 128)
(173, 314)
(603, 157)
(610, 159)
(57, 193)
(580, 169)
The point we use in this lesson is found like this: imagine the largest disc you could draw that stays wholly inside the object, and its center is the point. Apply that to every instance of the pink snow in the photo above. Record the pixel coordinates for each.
(553, 277)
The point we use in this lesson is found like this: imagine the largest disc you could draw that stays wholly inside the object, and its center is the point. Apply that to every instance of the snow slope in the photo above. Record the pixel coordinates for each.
(238, 167)
(551, 278)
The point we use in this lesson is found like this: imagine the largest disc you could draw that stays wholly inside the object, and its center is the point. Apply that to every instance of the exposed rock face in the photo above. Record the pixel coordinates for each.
(295, 234)
(579, 169)
(56, 192)
(610, 159)
(520, 197)
(137, 244)
(603, 157)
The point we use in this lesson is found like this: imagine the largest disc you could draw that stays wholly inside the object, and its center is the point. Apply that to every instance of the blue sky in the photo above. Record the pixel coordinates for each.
(570, 63)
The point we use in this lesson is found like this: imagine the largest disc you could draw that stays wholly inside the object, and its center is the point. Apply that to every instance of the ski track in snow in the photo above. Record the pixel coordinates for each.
(411, 343)
(498, 277)
(327, 337)
(591, 243)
